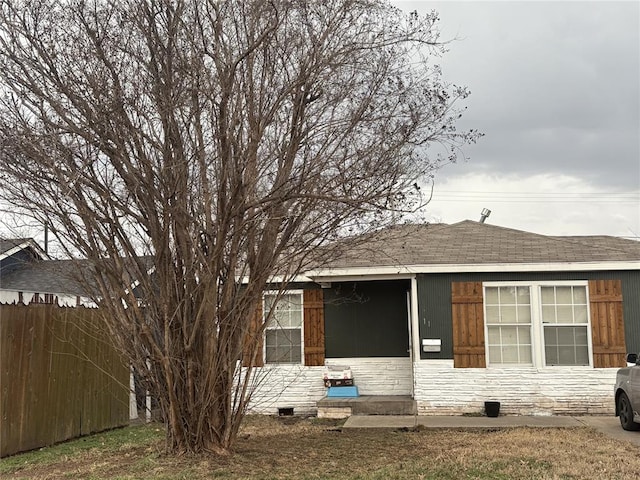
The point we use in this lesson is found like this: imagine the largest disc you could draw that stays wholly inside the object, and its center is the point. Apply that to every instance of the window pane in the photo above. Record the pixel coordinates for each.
(296, 355)
(582, 355)
(492, 314)
(580, 335)
(491, 296)
(564, 336)
(510, 354)
(548, 296)
(493, 336)
(525, 354)
(283, 345)
(564, 314)
(564, 295)
(495, 354)
(508, 314)
(508, 319)
(580, 314)
(567, 355)
(286, 313)
(524, 335)
(507, 296)
(509, 344)
(548, 314)
(509, 335)
(566, 345)
(524, 314)
(551, 355)
(580, 295)
(524, 297)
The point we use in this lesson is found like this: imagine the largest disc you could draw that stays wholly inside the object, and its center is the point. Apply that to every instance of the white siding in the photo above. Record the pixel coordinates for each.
(444, 390)
(284, 386)
(379, 376)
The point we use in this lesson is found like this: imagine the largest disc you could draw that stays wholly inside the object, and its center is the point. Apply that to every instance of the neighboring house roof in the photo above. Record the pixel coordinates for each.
(29, 270)
(51, 276)
(10, 246)
(473, 243)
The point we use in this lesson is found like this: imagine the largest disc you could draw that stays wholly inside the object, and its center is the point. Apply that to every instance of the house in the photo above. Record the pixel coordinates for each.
(16, 252)
(28, 275)
(455, 315)
(446, 317)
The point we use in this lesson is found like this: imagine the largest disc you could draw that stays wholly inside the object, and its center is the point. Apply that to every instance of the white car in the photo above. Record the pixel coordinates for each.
(627, 393)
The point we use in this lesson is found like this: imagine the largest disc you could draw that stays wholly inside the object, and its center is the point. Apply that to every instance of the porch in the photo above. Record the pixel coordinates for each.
(332, 407)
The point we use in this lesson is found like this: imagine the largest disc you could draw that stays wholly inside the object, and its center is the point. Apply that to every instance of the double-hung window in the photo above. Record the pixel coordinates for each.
(565, 324)
(508, 319)
(283, 334)
(540, 324)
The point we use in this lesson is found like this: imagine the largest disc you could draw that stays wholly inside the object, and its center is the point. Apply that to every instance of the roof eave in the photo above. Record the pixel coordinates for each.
(408, 270)
(29, 243)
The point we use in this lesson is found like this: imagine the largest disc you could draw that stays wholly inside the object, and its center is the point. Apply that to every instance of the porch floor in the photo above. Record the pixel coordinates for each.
(332, 407)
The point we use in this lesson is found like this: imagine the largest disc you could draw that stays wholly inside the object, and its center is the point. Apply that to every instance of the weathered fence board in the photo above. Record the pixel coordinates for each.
(59, 377)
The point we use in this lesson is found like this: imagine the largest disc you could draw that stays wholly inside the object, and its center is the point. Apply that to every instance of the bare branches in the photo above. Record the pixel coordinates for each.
(226, 140)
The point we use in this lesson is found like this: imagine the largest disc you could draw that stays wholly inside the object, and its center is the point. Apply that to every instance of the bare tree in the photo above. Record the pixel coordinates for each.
(193, 151)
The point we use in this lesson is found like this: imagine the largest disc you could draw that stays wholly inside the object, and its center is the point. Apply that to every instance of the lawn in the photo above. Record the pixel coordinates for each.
(309, 448)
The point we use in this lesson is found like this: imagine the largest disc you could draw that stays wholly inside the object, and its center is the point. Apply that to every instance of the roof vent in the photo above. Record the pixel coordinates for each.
(484, 214)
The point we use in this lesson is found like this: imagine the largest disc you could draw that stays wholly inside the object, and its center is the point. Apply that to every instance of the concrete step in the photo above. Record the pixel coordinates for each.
(332, 407)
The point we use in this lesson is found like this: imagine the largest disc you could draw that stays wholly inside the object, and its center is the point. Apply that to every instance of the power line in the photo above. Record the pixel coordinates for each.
(537, 197)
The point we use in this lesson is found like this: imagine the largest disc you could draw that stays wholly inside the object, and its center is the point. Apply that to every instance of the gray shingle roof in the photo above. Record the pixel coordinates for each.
(64, 277)
(473, 243)
(7, 244)
(51, 276)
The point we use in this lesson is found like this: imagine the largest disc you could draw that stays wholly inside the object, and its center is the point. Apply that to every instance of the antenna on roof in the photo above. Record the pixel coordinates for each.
(484, 214)
(46, 237)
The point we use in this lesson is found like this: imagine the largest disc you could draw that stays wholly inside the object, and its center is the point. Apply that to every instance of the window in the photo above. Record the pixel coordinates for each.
(283, 334)
(565, 324)
(537, 324)
(508, 319)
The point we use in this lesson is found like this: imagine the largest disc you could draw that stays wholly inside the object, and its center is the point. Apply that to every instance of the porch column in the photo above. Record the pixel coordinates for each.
(415, 320)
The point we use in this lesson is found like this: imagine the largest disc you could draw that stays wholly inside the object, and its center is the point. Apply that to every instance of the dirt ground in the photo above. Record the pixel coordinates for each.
(308, 448)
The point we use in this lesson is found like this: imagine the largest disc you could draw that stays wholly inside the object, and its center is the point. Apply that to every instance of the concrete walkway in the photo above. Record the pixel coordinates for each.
(608, 425)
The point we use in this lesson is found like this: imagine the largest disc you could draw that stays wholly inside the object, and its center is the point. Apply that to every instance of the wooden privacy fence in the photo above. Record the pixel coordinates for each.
(60, 378)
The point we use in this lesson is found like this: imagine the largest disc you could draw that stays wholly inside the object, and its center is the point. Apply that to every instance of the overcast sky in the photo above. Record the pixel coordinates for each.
(556, 91)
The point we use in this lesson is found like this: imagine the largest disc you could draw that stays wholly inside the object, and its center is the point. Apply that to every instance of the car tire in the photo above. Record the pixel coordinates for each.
(625, 411)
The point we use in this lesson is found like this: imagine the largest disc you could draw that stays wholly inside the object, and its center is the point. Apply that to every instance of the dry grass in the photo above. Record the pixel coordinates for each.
(286, 448)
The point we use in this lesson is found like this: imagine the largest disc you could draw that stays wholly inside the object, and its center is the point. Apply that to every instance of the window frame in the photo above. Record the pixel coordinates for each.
(514, 324)
(537, 326)
(298, 292)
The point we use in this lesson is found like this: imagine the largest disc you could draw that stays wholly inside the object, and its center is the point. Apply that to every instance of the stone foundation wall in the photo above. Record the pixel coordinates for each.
(444, 390)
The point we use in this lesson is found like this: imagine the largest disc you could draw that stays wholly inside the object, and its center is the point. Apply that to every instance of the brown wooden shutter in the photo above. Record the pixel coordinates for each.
(468, 325)
(607, 323)
(313, 327)
(255, 334)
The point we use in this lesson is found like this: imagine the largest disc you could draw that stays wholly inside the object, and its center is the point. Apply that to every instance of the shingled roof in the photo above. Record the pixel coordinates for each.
(7, 246)
(51, 276)
(474, 243)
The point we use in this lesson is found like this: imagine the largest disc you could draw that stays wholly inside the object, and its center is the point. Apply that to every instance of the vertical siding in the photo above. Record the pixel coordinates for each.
(468, 325)
(60, 378)
(434, 312)
(313, 327)
(434, 302)
(252, 354)
(607, 325)
(631, 309)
